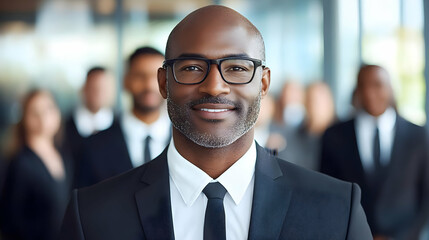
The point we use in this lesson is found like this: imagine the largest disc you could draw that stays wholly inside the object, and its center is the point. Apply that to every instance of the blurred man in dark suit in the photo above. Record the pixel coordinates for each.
(140, 134)
(385, 154)
(214, 181)
(93, 114)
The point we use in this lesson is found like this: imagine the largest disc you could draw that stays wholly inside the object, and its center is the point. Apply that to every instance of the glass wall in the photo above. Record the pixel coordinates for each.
(392, 36)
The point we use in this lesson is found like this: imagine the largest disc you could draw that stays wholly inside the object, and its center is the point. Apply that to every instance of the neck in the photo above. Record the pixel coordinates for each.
(317, 127)
(93, 110)
(147, 117)
(213, 161)
(40, 142)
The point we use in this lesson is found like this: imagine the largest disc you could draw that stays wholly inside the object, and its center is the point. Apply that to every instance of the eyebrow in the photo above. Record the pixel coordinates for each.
(202, 56)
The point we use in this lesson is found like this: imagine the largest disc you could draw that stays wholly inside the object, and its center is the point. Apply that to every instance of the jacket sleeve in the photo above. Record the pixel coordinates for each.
(72, 227)
(358, 228)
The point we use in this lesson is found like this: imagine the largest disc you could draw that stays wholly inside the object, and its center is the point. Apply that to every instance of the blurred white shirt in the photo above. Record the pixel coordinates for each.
(188, 202)
(136, 131)
(365, 132)
(88, 123)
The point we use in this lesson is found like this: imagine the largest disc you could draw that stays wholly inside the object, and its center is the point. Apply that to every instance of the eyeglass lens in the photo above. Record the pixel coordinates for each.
(195, 70)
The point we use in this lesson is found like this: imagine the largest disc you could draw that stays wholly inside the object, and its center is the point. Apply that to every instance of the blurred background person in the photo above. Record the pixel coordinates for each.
(288, 115)
(319, 108)
(263, 124)
(302, 144)
(140, 134)
(38, 181)
(93, 113)
(290, 110)
(385, 154)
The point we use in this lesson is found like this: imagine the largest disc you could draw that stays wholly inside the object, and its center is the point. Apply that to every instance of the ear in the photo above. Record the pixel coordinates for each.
(266, 80)
(162, 82)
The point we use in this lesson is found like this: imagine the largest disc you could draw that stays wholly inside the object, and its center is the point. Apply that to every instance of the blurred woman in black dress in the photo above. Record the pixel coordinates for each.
(38, 181)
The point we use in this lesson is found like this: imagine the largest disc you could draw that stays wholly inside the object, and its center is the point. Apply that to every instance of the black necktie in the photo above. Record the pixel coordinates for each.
(214, 222)
(376, 152)
(147, 155)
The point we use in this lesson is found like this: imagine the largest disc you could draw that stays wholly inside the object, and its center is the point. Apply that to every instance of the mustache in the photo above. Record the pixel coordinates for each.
(215, 100)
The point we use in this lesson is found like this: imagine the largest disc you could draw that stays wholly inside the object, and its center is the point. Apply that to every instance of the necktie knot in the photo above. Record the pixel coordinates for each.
(214, 191)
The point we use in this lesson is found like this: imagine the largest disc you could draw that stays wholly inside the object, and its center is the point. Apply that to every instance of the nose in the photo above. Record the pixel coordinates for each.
(214, 85)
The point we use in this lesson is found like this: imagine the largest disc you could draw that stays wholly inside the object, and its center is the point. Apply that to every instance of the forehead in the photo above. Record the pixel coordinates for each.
(99, 75)
(147, 61)
(39, 99)
(215, 41)
(375, 75)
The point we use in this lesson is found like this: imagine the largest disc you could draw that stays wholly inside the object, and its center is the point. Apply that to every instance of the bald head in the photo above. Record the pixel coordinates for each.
(366, 70)
(373, 91)
(211, 22)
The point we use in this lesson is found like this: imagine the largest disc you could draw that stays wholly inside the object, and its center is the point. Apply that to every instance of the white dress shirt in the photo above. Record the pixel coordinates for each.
(365, 132)
(188, 202)
(136, 131)
(88, 123)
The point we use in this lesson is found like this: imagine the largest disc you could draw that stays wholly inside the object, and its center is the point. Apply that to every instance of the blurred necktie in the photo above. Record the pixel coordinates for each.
(214, 221)
(376, 151)
(147, 155)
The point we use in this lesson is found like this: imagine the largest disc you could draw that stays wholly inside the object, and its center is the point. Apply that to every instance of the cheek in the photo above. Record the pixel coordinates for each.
(181, 93)
(51, 122)
(248, 92)
(34, 124)
(133, 85)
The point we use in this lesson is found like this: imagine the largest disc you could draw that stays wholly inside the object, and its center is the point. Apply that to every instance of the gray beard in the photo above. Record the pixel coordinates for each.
(179, 116)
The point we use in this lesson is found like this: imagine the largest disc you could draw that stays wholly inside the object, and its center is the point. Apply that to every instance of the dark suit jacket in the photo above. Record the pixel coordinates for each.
(33, 202)
(74, 143)
(289, 202)
(395, 207)
(73, 140)
(104, 155)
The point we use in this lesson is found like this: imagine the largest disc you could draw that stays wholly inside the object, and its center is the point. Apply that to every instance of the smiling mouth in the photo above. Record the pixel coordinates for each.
(214, 110)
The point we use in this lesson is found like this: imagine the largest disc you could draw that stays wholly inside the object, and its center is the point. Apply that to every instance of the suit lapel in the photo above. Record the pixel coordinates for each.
(356, 171)
(153, 200)
(127, 163)
(271, 198)
(396, 154)
(397, 143)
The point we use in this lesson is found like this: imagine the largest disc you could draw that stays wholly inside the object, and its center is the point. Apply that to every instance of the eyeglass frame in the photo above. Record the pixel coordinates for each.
(256, 62)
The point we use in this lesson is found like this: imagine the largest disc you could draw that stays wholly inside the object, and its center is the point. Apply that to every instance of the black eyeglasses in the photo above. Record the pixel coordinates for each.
(194, 70)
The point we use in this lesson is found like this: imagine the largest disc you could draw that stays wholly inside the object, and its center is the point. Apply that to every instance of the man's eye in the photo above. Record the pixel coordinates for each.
(237, 69)
(191, 68)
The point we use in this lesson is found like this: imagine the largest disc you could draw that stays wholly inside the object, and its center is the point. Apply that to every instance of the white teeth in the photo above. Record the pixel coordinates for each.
(213, 110)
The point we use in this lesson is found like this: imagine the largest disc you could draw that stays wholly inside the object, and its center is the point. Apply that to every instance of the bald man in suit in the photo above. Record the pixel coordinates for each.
(214, 181)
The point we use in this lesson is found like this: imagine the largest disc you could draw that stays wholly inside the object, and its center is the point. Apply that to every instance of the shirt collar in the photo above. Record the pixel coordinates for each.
(190, 180)
(385, 122)
(136, 129)
(88, 122)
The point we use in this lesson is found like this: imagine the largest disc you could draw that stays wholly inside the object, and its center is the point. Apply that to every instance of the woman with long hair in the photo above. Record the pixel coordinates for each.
(38, 182)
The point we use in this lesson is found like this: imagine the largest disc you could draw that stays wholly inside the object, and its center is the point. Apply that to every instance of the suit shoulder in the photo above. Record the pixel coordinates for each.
(69, 120)
(306, 180)
(340, 126)
(121, 185)
(414, 133)
(402, 122)
(111, 134)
